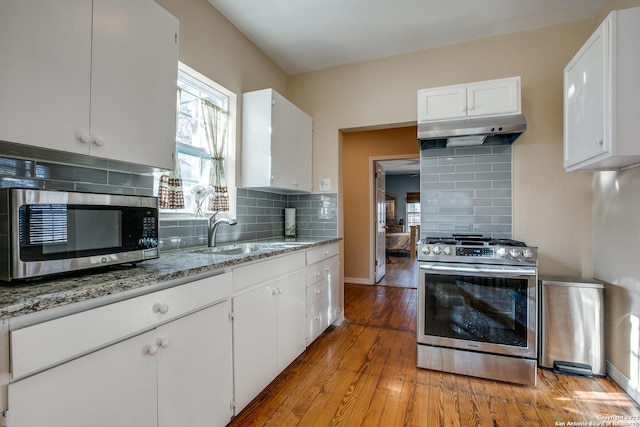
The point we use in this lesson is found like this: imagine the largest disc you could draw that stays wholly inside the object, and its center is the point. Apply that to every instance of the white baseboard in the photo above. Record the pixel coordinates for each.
(357, 281)
(625, 383)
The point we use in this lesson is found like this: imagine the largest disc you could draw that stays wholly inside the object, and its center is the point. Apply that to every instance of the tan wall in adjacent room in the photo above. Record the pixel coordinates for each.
(358, 148)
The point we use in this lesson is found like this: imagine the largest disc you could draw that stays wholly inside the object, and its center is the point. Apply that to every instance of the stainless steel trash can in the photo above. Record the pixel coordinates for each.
(571, 324)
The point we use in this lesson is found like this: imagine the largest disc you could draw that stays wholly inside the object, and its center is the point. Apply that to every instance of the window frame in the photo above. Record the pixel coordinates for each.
(232, 99)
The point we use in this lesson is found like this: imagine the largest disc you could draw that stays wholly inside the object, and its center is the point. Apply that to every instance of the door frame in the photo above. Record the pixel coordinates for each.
(372, 207)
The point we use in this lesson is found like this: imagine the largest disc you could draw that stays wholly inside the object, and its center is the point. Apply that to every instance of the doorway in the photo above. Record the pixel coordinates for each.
(397, 207)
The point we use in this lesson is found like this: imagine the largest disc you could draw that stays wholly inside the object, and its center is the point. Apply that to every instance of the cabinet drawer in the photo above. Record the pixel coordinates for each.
(39, 346)
(317, 321)
(318, 293)
(317, 272)
(267, 270)
(318, 254)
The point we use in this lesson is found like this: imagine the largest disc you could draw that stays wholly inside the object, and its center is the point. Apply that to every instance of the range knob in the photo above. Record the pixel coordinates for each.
(501, 252)
(447, 250)
(437, 249)
(527, 253)
(425, 249)
(515, 253)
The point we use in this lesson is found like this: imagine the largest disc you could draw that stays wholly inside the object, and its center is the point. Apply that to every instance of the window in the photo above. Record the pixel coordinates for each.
(413, 209)
(193, 146)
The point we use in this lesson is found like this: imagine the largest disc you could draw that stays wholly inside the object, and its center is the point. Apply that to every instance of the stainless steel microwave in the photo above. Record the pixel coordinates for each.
(45, 232)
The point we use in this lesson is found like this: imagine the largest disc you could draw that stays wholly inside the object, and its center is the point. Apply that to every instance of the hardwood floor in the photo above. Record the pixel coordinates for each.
(363, 373)
(400, 271)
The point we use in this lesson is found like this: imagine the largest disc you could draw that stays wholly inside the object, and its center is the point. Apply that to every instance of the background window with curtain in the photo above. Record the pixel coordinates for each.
(413, 209)
(202, 134)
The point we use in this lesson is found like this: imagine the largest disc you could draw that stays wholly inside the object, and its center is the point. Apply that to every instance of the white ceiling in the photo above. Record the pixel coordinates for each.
(306, 35)
(401, 167)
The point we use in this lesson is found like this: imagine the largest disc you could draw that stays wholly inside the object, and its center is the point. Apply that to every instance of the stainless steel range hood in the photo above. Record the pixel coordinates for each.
(497, 130)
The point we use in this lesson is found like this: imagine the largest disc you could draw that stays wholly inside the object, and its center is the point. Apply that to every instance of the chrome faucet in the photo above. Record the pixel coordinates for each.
(213, 227)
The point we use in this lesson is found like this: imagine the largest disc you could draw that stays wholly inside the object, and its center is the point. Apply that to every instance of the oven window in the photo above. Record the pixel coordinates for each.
(492, 310)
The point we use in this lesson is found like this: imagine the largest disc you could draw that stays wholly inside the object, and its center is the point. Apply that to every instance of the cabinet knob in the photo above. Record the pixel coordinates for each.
(98, 141)
(317, 274)
(162, 342)
(160, 308)
(317, 291)
(600, 142)
(83, 137)
(150, 350)
(274, 291)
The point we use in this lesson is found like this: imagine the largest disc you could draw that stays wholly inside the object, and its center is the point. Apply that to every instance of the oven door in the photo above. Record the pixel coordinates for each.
(477, 307)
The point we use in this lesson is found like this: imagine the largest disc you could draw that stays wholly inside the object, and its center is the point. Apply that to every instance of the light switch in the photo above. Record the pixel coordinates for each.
(325, 184)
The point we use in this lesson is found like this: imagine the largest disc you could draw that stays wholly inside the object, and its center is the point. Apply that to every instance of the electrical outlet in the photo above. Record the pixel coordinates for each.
(325, 184)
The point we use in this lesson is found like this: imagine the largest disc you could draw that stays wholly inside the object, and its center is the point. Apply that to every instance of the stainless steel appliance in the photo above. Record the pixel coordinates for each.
(48, 232)
(477, 307)
(572, 326)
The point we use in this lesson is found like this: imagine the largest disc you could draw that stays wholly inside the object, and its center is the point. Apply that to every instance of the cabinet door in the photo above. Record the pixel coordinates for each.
(291, 146)
(133, 82)
(333, 281)
(292, 318)
(195, 383)
(449, 102)
(115, 386)
(254, 342)
(45, 48)
(585, 82)
(493, 97)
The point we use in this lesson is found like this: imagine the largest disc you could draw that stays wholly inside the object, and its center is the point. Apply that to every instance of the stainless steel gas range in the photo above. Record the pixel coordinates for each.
(477, 307)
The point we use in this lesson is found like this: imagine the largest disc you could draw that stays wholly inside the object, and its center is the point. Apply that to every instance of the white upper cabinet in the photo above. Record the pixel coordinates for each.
(276, 143)
(602, 97)
(479, 99)
(90, 77)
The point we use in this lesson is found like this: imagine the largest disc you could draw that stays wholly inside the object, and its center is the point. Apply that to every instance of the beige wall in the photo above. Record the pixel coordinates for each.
(549, 205)
(358, 149)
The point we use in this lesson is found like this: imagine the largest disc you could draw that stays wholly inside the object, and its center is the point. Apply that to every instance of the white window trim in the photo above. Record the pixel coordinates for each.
(231, 145)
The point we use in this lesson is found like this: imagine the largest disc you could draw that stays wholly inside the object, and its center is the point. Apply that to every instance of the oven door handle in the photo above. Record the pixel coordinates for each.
(457, 268)
(498, 271)
(522, 271)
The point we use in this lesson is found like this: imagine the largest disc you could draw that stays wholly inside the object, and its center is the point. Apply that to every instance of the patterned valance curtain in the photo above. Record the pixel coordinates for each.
(170, 193)
(216, 125)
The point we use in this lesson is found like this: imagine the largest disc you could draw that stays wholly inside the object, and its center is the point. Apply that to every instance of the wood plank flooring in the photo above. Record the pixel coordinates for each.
(363, 373)
(400, 271)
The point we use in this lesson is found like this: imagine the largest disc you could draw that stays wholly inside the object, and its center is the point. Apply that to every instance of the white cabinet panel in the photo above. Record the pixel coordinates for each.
(255, 354)
(493, 97)
(92, 78)
(447, 102)
(45, 48)
(478, 99)
(195, 369)
(601, 92)
(292, 313)
(133, 82)
(115, 386)
(276, 143)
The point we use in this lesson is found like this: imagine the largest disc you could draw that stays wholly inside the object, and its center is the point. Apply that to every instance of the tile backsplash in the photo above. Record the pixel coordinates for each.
(466, 190)
(260, 214)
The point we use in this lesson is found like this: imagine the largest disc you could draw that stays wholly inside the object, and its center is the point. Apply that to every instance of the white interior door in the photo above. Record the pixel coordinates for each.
(381, 223)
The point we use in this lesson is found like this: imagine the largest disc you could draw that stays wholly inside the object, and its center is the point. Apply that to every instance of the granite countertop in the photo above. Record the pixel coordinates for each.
(22, 298)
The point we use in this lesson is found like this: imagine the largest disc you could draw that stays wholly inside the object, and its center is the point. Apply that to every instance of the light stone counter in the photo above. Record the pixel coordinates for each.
(20, 298)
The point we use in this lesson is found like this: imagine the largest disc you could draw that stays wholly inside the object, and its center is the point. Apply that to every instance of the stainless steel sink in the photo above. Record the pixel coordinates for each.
(240, 249)
(248, 248)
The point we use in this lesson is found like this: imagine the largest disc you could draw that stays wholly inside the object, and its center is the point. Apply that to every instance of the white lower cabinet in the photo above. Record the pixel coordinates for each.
(268, 332)
(323, 289)
(177, 373)
(115, 386)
